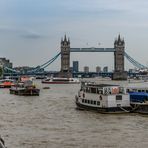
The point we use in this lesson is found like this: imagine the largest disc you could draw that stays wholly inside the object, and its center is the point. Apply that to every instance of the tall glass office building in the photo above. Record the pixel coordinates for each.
(75, 66)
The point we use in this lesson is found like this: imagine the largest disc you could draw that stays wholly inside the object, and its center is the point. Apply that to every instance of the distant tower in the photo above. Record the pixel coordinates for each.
(105, 69)
(65, 58)
(86, 69)
(98, 69)
(119, 73)
(75, 66)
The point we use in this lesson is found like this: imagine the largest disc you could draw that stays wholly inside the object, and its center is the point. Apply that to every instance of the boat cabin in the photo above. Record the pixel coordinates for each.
(103, 89)
(103, 96)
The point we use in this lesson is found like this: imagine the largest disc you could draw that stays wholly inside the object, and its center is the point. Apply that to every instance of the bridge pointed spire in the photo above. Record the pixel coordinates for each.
(65, 39)
(119, 38)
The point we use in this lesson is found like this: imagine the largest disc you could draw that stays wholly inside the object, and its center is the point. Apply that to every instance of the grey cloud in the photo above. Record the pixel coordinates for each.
(31, 36)
(20, 33)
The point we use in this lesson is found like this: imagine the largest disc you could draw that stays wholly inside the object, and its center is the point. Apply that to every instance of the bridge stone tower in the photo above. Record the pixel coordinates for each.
(65, 58)
(119, 73)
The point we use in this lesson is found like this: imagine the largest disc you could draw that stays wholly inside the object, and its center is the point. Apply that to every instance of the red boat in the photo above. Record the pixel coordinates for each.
(57, 80)
(7, 83)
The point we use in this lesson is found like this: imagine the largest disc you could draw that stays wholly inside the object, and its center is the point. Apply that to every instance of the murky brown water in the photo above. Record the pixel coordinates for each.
(52, 121)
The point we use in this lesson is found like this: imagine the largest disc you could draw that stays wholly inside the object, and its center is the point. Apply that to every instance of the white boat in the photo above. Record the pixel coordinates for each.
(104, 98)
(58, 80)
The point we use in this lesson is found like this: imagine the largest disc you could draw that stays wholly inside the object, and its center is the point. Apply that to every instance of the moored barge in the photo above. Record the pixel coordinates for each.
(25, 89)
(139, 102)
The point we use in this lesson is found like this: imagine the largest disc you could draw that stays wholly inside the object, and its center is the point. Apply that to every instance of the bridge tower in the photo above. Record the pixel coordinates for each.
(65, 58)
(119, 73)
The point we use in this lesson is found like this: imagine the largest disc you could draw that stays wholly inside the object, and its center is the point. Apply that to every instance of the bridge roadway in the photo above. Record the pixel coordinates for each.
(75, 74)
(92, 49)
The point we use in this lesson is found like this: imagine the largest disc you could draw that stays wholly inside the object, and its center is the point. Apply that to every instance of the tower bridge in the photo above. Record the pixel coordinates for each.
(118, 50)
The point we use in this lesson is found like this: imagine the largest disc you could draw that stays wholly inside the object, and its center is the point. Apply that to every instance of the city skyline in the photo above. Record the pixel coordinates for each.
(31, 30)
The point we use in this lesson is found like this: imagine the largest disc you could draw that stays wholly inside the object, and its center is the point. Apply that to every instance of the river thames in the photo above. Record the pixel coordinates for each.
(51, 120)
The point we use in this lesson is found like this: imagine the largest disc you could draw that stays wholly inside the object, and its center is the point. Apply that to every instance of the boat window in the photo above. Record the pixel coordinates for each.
(143, 90)
(119, 97)
(139, 90)
(98, 103)
(135, 90)
(87, 89)
(95, 102)
(99, 91)
(115, 90)
(83, 100)
(88, 101)
(118, 105)
(93, 90)
(91, 101)
(121, 90)
(146, 91)
(131, 90)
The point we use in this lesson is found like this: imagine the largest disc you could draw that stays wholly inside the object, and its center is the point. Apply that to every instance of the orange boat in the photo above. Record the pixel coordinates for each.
(7, 83)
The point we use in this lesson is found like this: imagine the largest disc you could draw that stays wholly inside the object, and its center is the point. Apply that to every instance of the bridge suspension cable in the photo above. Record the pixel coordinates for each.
(10, 69)
(53, 59)
(134, 62)
(46, 64)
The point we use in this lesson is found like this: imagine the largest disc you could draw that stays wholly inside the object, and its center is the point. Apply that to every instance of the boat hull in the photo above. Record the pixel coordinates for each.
(6, 86)
(103, 110)
(25, 92)
(139, 101)
(141, 108)
(58, 82)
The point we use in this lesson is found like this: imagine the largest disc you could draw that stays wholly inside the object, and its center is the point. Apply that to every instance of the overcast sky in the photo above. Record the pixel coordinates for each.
(31, 30)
